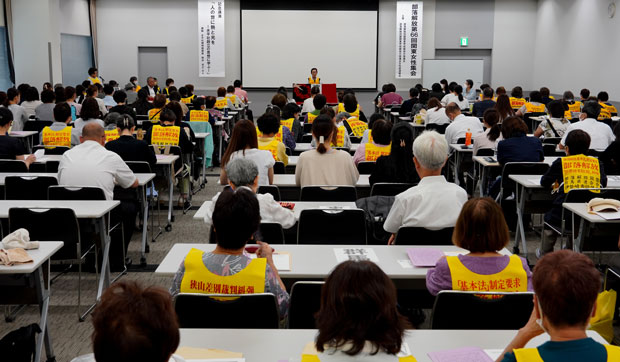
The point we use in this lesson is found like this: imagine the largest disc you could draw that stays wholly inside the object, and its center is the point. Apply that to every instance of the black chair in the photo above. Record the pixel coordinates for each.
(56, 224)
(328, 193)
(238, 311)
(466, 310)
(56, 150)
(332, 227)
(279, 168)
(75, 193)
(461, 141)
(440, 128)
(27, 188)
(355, 139)
(423, 236)
(518, 168)
(307, 128)
(527, 118)
(366, 167)
(37, 125)
(270, 189)
(13, 166)
(271, 233)
(389, 188)
(306, 138)
(552, 140)
(485, 152)
(549, 149)
(304, 303)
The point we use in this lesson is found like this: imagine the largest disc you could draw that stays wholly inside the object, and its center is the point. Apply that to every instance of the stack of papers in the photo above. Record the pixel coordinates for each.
(356, 254)
(424, 257)
(466, 354)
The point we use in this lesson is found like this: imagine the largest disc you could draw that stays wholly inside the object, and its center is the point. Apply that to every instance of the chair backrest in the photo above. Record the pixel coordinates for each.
(13, 166)
(422, 236)
(552, 140)
(139, 166)
(55, 224)
(75, 193)
(27, 188)
(440, 128)
(521, 168)
(366, 167)
(466, 310)
(306, 138)
(308, 129)
(56, 150)
(279, 168)
(549, 149)
(36, 125)
(332, 227)
(270, 189)
(485, 152)
(270, 232)
(389, 188)
(236, 311)
(328, 193)
(304, 303)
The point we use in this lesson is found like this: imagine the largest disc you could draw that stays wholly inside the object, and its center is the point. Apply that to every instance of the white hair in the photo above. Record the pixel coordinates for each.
(431, 150)
(241, 171)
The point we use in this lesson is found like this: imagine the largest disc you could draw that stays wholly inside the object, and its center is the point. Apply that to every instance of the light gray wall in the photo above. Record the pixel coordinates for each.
(456, 18)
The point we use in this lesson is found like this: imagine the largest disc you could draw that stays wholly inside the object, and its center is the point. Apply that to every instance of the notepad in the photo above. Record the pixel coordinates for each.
(466, 354)
(356, 254)
(534, 181)
(609, 215)
(281, 260)
(424, 257)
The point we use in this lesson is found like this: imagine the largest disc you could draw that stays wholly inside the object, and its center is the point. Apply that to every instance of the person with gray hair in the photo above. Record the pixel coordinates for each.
(434, 203)
(601, 135)
(243, 172)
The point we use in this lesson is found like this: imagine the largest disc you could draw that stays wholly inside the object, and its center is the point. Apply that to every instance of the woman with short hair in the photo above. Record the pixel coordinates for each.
(398, 166)
(90, 113)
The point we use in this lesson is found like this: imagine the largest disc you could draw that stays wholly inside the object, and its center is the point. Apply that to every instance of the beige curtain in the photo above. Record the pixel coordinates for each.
(92, 11)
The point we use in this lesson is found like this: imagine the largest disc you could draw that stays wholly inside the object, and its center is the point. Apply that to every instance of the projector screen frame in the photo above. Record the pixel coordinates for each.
(342, 5)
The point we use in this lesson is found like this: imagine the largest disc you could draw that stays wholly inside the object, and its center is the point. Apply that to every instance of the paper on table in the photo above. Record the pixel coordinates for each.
(203, 354)
(609, 215)
(424, 256)
(159, 157)
(39, 154)
(466, 354)
(281, 260)
(494, 353)
(405, 263)
(535, 181)
(357, 254)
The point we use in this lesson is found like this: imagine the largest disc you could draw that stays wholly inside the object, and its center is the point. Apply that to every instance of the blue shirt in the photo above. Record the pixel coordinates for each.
(579, 350)
(520, 148)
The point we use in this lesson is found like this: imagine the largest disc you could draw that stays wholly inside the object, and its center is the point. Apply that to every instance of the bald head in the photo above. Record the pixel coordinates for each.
(93, 132)
(452, 110)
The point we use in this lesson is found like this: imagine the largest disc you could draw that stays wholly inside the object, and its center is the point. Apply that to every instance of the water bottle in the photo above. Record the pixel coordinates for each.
(225, 112)
(468, 138)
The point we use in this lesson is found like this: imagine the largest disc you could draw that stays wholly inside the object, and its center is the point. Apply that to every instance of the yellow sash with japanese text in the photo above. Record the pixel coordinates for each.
(580, 172)
(57, 138)
(575, 107)
(373, 151)
(288, 123)
(222, 103)
(232, 98)
(154, 114)
(311, 117)
(277, 137)
(111, 135)
(339, 142)
(516, 103)
(532, 355)
(355, 114)
(512, 279)
(568, 114)
(199, 116)
(530, 108)
(187, 100)
(198, 279)
(271, 147)
(357, 127)
(164, 136)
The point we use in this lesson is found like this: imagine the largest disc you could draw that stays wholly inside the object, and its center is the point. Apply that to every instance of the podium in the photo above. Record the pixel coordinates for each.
(303, 92)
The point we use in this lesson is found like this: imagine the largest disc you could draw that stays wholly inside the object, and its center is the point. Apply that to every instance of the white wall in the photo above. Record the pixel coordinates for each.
(74, 17)
(572, 54)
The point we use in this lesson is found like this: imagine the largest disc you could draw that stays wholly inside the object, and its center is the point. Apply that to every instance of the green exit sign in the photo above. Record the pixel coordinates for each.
(464, 41)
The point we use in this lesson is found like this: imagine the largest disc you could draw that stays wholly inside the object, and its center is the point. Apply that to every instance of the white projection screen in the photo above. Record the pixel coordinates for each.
(279, 47)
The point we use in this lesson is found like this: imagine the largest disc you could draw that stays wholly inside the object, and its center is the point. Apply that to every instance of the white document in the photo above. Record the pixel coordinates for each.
(357, 254)
(534, 181)
(282, 262)
(609, 215)
(39, 154)
(405, 264)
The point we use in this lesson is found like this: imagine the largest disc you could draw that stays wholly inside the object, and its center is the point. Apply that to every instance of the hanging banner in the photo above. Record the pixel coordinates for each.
(211, 49)
(408, 39)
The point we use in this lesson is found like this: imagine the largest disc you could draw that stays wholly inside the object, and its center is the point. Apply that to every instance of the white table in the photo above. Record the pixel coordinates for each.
(299, 206)
(291, 342)
(167, 164)
(292, 161)
(143, 178)
(35, 272)
(587, 219)
(483, 166)
(289, 181)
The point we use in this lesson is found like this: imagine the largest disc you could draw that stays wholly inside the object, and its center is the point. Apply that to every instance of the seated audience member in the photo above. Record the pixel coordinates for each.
(279, 100)
(108, 100)
(229, 257)
(175, 107)
(120, 97)
(142, 105)
(230, 95)
(198, 112)
(607, 109)
(545, 94)
(290, 120)
(534, 105)
(283, 134)
(70, 96)
(366, 137)
(19, 116)
(456, 96)
(132, 94)
(210, 107)
(517, 146)
(561, 181)
(434, 203)
(240, 92)
(601, 135)
(244, 144)
(342, 139)
(390, 97)
(90, 113)
(244, 172)
(159, 102)
(380, 145)
(221, 101)
(45, 111)
(436, 92)
(516, 98)
(319, 101)
(11, 148)
(584, 94)
(556, 125)
(470, 91)
(129, 148)
(31, 100)
(461, 124)
(358, 319)
(151, 87)
(378, 97)
(435, 113)
(398, 166)
(135, 335)
(175, 96)
(611, 156)
(270, 137)
(481, 230)
(487, 102)
(566, 286)
(325, 165)
(352, 107)
(90, 164)
(569, 100)
(93, 92)
(59, 93)
(492, 135)
(408, 106)
(62, 119)
(308, 105)
(169, 84)
(503, 107)
(499, 91)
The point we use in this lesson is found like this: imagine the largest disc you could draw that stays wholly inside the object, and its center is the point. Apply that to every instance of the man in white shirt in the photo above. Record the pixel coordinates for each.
(243, 172)
(434, 203)
(308, 105)
(601, 135)
(151, 87)
(461, 124)
(90, 164)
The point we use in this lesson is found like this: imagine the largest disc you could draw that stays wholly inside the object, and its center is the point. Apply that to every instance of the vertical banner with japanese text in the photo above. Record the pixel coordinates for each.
(211, 45)
(408, 39)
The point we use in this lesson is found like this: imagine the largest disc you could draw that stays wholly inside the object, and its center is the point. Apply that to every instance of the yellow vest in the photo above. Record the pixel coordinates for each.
(138, 88)
(198, 116)
(311, 117)
(288, 123)
(373, 151)
(222, 103)
(94, 80)
(198, 279)
(575, 107)
(580, 172)
(271, 147)
(57, 138)
(312, 81)
(233, 98)
(512, 279)
(165, 136)
(606, 111)
(532, 355)
(358, 127)
(111, 135)
(530, 107)
(339, 142)
(187, 100)
(154, 114)
(517, 103)
(355, 114)
(277, 137)
(568, 114)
